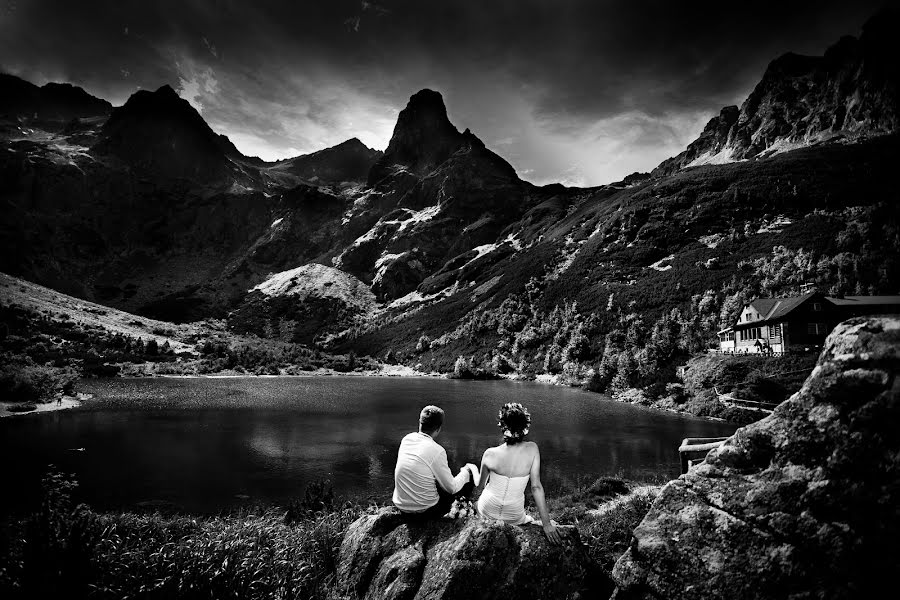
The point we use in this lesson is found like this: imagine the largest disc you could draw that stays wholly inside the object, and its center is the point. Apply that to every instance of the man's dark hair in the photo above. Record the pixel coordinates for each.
(431, 418)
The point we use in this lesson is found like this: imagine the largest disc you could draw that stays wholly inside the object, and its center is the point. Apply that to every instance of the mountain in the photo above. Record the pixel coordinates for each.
(52, 101)
(162, 133)
(852, 91)
(423, 138)
(437, 194)
(349, 161)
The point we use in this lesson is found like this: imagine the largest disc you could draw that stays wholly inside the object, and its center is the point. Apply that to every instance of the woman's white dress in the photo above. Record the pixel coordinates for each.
(503, 499)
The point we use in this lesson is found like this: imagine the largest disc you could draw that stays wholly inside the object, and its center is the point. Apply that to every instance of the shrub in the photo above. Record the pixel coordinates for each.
(463, 369)
(318, 498)
(24, 381)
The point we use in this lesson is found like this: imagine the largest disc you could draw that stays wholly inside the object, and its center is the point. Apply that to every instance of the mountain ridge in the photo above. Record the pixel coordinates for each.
(852, 90)
(54, 101)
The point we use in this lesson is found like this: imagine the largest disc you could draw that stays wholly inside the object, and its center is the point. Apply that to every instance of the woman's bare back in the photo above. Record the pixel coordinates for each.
(511, 461)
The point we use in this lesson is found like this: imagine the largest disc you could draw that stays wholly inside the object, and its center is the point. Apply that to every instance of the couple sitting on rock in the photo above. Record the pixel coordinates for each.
(424, 486)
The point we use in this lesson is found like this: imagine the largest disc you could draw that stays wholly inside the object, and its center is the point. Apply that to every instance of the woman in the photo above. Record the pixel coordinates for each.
(508, 468)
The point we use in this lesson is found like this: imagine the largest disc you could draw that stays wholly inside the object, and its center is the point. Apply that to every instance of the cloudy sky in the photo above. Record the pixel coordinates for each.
(578, 91)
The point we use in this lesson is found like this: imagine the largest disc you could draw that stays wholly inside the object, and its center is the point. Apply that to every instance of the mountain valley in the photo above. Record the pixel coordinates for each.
(436, 254)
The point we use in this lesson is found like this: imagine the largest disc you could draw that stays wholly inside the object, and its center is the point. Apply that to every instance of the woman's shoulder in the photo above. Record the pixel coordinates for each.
(492, 451)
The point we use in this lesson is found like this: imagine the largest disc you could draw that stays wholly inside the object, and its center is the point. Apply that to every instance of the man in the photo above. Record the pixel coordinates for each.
(423, 483)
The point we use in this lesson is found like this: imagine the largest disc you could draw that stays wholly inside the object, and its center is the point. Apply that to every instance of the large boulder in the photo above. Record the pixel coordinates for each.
(803, 504)
(383, 556)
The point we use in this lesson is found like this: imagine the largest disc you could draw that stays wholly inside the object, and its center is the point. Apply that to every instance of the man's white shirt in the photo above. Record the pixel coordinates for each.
(420, 463)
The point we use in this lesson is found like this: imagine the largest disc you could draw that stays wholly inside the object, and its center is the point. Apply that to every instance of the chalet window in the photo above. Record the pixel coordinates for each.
(815, 328)
(817, 306)
(776, 330)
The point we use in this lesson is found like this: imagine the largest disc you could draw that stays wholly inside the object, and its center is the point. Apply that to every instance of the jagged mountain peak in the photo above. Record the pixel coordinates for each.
(163, 101)
(423, 137)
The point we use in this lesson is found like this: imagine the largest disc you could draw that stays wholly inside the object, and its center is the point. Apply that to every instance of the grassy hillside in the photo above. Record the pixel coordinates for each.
(49, 339)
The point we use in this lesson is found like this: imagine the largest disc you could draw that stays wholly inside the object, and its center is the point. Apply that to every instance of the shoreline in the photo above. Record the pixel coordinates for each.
(45, 407)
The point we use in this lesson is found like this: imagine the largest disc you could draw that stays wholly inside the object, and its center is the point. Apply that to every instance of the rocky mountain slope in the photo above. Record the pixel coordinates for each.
(852, 91)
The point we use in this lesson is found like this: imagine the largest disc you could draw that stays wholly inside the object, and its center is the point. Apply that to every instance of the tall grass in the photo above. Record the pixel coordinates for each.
(74, 552)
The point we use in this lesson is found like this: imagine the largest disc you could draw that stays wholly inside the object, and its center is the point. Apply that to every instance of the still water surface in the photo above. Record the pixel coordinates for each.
(208, 444)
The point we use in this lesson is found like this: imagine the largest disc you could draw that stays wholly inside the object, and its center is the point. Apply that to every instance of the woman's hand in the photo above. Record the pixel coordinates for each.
(552, 533)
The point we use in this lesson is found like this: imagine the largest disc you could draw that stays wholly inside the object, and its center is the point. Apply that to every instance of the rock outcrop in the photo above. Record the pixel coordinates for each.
(385, 557)
(301, 304)
(803, 504)
(852, 91)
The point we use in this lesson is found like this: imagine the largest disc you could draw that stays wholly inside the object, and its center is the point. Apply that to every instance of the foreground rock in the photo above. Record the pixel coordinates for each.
(803, 504)
(384, 557)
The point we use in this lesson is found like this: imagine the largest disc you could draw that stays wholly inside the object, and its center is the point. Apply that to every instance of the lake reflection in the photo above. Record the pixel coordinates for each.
(210, 444)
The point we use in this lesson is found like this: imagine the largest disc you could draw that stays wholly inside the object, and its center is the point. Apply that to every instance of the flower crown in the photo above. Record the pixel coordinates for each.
(507, 432)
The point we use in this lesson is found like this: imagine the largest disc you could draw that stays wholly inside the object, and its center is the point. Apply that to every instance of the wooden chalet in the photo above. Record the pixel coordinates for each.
(797, 323)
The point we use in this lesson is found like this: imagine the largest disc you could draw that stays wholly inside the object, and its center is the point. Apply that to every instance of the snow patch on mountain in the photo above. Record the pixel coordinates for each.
(416, 297)
(659, 266)
(722, 157)
(420, 216)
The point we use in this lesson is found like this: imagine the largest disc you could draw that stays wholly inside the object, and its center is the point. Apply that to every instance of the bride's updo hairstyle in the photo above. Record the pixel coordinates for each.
(514, 422)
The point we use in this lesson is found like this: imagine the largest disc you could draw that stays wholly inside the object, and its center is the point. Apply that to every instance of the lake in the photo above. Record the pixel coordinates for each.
(208, 444)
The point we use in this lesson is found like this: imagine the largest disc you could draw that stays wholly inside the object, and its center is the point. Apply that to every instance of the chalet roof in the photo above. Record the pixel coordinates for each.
(775, 309)
(764, 305)
(772, 309)
(865, 301)
(785, 305)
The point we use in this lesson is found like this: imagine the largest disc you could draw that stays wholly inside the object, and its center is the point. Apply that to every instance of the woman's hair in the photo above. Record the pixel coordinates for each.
(514, 421)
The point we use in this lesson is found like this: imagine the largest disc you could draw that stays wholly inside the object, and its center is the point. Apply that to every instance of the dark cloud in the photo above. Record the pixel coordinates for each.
(582, 90)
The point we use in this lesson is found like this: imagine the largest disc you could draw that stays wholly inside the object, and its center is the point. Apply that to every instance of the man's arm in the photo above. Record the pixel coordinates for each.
(444, 476)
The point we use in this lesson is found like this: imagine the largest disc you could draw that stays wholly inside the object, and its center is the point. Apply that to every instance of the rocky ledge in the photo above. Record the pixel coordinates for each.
(803, 504)
(385, 557)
